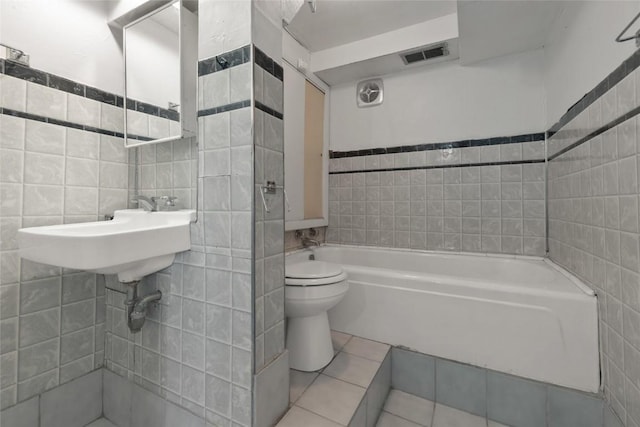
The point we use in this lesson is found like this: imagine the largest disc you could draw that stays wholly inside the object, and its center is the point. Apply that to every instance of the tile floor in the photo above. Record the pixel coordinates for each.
(406, 410)
(330, 397)
(101, 422)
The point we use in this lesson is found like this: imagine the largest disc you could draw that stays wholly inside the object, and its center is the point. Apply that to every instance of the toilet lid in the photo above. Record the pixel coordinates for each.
(289, 281)
(312, 270)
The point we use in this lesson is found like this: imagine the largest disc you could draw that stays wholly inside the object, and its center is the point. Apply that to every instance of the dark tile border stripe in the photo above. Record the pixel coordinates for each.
(464, 165)
(531, 137)
(224, 61)
(622, 71)
(600, 131)
(260, 106)
(268, 64)
(224, 108)
(43, 78)
(38, 118)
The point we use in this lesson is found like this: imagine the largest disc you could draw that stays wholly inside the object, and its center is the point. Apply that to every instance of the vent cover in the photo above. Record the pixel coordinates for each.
(370, 93)
(425, 54)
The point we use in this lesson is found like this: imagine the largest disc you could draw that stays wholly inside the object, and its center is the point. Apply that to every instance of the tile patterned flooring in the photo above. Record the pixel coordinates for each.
(406, 410)
(330, 397)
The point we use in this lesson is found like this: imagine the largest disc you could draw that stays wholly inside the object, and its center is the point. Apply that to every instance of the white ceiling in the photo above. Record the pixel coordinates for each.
(491, 28)
(337, 22)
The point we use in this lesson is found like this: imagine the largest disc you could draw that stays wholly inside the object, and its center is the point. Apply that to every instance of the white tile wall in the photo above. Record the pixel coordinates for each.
(473, 208)
(195, 349)
(52, 320)
(593, 231)
(270, 357)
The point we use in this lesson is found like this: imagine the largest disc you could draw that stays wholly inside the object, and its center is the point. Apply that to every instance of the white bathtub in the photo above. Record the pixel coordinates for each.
(519, 315)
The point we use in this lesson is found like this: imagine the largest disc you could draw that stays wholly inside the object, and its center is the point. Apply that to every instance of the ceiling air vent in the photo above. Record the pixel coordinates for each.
(425, 54)
(370, 93)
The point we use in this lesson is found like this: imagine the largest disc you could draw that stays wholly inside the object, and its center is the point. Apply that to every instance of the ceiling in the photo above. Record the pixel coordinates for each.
(337, 22)
(492, 28)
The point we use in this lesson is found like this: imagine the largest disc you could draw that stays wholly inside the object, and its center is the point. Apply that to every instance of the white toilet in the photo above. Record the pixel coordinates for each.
(312, 288)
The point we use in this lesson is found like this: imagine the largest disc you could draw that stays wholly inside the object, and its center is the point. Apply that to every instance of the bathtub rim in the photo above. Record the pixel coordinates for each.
(576, 281)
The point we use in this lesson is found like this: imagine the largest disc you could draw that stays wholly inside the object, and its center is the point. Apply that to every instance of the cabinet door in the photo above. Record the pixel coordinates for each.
(313, 147)
(294, 118)
(305, 148)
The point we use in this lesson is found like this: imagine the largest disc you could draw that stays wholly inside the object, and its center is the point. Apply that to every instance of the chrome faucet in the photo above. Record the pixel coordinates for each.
(148, 204)
(307, 241)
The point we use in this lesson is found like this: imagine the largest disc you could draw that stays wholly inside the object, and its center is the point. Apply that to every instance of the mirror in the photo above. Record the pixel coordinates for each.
(161, 75)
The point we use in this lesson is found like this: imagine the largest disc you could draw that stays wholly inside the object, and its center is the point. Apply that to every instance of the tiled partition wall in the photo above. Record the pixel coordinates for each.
(269, 227)
(62, 160)
(271, 363)
(593, 220)
(478, 196)
(196, 347)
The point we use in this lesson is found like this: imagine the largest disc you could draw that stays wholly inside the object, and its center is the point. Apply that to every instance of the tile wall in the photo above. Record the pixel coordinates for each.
(269, 225)
(196, 348)
(473, 196)
(271, 361)
(507, 399)
(62, 160)
(594, 222)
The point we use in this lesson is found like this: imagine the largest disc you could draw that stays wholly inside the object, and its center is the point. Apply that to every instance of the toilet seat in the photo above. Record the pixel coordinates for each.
(314, 273)
(290, 281)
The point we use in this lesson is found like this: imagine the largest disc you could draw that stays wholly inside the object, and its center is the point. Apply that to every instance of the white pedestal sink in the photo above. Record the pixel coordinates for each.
(135, 243)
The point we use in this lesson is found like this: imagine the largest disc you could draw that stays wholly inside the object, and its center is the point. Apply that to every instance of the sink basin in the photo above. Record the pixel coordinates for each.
(135, 243)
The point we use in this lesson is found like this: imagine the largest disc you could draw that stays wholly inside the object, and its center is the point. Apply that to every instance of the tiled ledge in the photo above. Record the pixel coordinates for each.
(496, 396)
(350, 391)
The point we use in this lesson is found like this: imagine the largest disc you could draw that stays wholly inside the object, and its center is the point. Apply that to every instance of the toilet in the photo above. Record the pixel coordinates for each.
(312, 288)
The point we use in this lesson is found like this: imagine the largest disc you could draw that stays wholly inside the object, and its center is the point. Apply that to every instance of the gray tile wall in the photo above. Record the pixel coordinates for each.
(473, 208)
(500, 397)
(271, 361)
(269, 239)
(52, 320)
(594, 230)
(196, 349)
(74, 404)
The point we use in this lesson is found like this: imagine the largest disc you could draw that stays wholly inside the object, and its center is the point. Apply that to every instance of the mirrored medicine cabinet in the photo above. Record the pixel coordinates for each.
(161, 59)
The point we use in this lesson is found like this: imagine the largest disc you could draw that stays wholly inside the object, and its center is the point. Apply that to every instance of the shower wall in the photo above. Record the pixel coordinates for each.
(473, 196)
(453, 159)
(594, 223)
(62, 160)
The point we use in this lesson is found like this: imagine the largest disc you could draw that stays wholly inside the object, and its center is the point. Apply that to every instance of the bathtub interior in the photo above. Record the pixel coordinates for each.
(525, 272)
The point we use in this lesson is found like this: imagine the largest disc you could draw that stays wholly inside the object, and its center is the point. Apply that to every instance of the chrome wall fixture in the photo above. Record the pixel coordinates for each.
(635, 36)
(270, 188)
(16, 55)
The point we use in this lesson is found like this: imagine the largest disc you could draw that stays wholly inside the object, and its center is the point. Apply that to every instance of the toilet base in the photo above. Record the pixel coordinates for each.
(309, 342)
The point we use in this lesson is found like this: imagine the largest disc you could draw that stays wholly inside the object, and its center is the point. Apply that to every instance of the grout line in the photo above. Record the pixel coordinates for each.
(447, 166)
